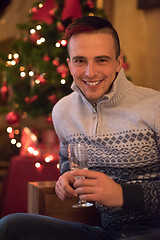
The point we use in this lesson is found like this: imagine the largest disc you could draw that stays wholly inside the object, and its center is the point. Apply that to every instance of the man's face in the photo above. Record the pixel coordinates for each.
(93, 63)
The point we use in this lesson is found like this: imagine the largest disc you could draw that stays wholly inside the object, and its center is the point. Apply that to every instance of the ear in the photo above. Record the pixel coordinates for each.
(68, 60)
(69, 64)
(120, 62)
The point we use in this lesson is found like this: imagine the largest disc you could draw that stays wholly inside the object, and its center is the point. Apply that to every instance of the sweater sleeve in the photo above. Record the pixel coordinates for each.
(64, 164)
(144, 196)
(133, 197)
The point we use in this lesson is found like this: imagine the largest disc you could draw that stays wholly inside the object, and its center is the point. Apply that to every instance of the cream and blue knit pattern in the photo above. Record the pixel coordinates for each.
(137, 162)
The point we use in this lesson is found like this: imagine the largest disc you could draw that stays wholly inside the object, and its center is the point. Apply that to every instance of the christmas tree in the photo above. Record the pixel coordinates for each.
(35, 74)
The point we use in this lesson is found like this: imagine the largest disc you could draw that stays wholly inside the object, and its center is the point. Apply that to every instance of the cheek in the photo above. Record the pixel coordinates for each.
(75, 72)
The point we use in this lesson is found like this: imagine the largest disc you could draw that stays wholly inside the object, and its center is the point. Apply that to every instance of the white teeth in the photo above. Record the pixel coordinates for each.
(93, 83)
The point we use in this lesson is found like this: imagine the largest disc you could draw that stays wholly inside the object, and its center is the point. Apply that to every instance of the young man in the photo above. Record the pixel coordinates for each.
(119, 123)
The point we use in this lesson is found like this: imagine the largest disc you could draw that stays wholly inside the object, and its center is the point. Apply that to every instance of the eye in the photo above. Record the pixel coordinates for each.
(102, 60)
(79, 61)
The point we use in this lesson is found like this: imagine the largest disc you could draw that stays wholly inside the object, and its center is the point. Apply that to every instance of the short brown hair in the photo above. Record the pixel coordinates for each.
(91, 24)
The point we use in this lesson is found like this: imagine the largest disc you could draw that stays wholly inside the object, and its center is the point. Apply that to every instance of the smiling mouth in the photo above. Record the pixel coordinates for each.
(92, 83)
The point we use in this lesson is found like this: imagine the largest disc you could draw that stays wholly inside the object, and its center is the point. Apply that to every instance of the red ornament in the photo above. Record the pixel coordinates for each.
(46, 58)
(53, 99)
(62, 69)
(16, 60)
(13, 118)
(126, 66)
(60, 27)
(40, 79)
(71, 10)
(34, 10)
(49, 120)
(90, 4)
(4, 91)
(52, 12)
(34, 37)
(55, 62)
(31, 99)
(27, 99)
(42, 14)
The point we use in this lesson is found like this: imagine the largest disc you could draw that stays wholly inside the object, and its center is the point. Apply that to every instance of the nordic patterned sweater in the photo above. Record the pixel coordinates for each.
(122, 133)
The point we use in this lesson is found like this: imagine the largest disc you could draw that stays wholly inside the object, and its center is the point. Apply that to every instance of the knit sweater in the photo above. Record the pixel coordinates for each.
(122, 134)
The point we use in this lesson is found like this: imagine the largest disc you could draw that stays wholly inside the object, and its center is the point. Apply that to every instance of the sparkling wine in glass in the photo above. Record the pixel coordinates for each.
(78, 159)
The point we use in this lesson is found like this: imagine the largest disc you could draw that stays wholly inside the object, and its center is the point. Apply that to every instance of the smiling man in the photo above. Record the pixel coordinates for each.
(120, 125)
(93, 71)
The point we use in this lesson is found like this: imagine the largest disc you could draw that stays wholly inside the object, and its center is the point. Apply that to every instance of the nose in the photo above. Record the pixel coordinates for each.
(90, 70)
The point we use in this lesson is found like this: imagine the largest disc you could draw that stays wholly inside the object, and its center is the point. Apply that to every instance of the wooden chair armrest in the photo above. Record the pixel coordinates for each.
(43, 200)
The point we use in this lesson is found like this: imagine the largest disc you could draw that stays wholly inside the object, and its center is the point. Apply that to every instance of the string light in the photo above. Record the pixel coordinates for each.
(18, 145)
(12, 132)
(40, 41)
(9, 129)
(32, 31)
(57, 44)
(13, 141)
(32, 135)
(22, 74)
(13, 62)
(31, 150)
(16, 55)
(48, 158)
(63, 42)
(35, 152)
(22, 68)
(37, 165)
(31, 73)
(8, 63)
(37, 81)
(16, 131)
(10, 56)
(38, 27)
(43, 39)
(40, 5)
(12, 59)
(63, 81)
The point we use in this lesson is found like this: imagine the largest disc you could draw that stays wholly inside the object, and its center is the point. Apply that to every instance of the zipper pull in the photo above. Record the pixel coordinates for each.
(94, 107)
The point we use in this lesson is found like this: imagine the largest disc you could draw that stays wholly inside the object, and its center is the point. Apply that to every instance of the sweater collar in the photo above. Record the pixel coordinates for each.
(120, 88)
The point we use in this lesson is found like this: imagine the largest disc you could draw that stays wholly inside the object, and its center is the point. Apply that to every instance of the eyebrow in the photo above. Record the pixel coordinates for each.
(78, 57)
(103, 56)
(96, 58)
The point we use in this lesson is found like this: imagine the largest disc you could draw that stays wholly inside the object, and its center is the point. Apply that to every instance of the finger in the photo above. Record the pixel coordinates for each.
(85, 182)
(85, 173)
(87, 194)
(64, 195)
(88, 197)
(59, 190)
(85, 190)
(65, 190)
(59, 193)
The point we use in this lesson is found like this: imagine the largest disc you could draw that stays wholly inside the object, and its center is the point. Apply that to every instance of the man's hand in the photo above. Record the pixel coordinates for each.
(98, 187)
(64, 186)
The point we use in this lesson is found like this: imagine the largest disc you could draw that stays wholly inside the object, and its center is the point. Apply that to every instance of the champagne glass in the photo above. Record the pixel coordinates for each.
(78, 159)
